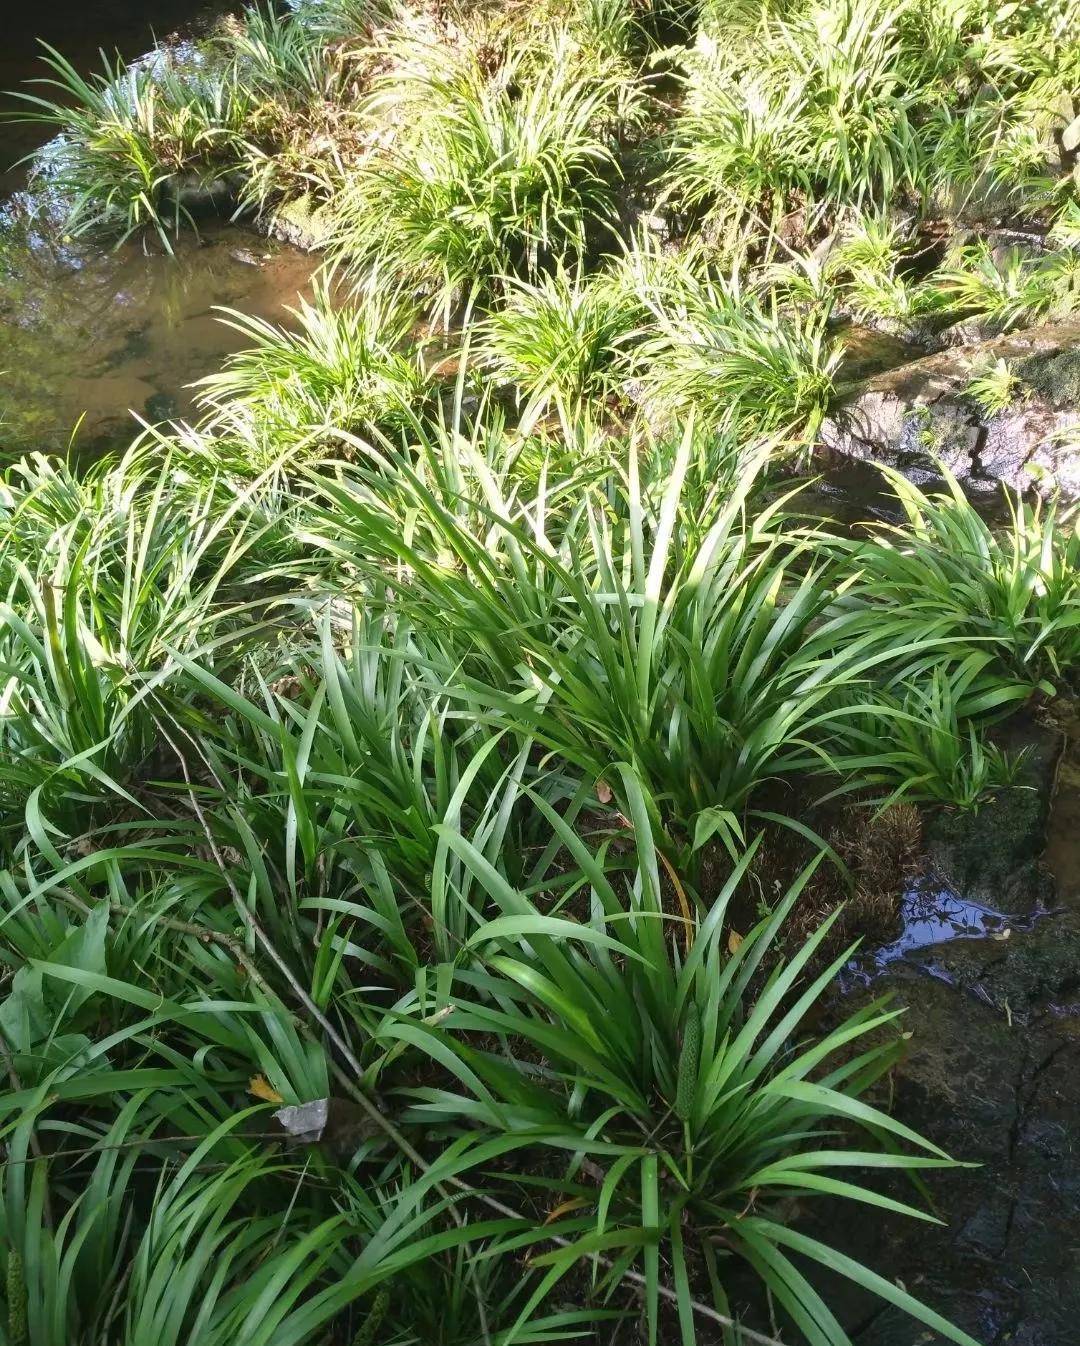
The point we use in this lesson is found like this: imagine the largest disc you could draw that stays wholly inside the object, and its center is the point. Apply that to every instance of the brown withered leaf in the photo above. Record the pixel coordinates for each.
(260, 1087)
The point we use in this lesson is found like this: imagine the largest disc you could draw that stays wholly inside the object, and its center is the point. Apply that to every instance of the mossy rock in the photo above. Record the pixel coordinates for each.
(304, 222)
(1054, 375)
(921, 411)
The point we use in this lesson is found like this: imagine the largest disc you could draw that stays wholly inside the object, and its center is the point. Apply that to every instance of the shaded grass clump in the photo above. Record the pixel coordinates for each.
(421, 793)
(1013, 592)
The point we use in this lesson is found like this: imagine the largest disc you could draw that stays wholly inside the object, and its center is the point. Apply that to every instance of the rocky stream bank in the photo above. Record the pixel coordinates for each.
(916, 413)
(987, 953)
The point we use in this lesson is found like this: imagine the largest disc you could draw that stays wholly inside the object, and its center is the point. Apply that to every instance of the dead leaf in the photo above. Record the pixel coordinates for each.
(258, 1087)
(684, 906)
(565, 1207)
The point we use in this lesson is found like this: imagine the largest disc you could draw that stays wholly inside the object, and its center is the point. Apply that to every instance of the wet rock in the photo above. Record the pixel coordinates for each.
(918, 414)
(198, 196)
(985, 200)
(994, 857)
(991, 1074)
(159, 407)
(1006, 244)
(869, 349)
(992, 1311)
(1025, 978)
(966, 332)
(1005, 1266)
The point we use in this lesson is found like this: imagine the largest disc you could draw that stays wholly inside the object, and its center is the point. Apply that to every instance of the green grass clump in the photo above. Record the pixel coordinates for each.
(1013, 592)
(872, 265)
(660, 622)
(139, 145)
(283, 57)
(920, 740)
(864, 102)
(104, 582)
(994, 387)
(650, 1034)
(1012, 290)
(345, 366)
(406, 933)
(562, 340)
(381, 782)
(484, 181)
(809, 102)
(261, 109)
(737, 362)
(305, 71)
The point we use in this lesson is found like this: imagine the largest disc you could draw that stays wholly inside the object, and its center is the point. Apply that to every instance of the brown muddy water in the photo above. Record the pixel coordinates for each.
(93, 337)
(89, 336)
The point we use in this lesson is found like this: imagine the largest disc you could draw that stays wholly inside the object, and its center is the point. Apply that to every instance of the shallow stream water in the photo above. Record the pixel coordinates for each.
(987, 962)
(88, 335)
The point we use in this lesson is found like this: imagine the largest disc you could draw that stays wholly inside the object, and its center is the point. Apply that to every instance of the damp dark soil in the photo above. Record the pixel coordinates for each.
(988, 964)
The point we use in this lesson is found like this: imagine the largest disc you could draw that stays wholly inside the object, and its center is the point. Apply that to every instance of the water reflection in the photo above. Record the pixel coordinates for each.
(93, 335)
(932, 913)
(89, 335)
